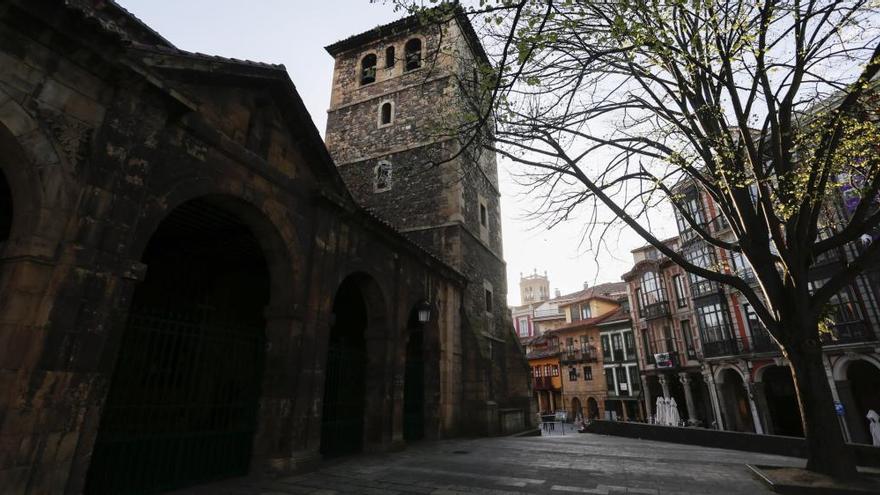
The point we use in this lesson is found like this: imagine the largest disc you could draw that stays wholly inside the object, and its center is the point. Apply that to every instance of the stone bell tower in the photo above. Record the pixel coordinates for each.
(395, 88)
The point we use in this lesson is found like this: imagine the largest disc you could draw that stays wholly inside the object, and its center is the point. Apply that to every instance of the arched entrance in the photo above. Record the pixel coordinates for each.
(344, 410)
(414, 381)
(576, 409)
(183, 398)
(5, 208)
(592, 408)
(864, 379)
(735, 402)
(782, 401)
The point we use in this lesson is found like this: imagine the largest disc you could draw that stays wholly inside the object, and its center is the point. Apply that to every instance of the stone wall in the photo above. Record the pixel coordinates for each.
(97, 156)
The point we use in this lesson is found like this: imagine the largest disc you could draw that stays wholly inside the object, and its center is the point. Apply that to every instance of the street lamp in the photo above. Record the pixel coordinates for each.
(424, 312)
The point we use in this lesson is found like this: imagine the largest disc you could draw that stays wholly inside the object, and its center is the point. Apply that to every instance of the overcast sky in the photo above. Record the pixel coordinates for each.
(294, 33)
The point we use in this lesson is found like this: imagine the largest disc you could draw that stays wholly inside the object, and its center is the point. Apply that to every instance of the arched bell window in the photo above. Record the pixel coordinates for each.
(386, 113)
(413, 54)
(389, 57)
(368, 69)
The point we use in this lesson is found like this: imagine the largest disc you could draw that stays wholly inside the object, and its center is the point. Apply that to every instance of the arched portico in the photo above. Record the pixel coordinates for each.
(183, 400)
(857, 379)
(735, 405)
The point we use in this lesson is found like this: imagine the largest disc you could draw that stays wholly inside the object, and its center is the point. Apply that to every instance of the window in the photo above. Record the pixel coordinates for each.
(652, 288)
(484, 216)
(703, 256)
(569, 345)
(368, 69)
(523, 326)
(606, 347)
(680, 292)
(617, 346)
(386, 114)
(547, 371)
(622, 382)
(585, 346)
(382, 177)
(586, 312)
(555, 370)
(638, 298)
(634, 380)
(572, 374)
(714, 322)
(629, 344)
(413, 54)
(488, 300)
(609, 380)
(389, 57)
(646, 345)
(688, 339)
(588, 373)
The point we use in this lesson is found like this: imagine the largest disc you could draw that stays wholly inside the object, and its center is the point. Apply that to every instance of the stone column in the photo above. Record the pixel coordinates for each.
(688, 397)
(756, 420)
(664, 382)
(646, 395)
(849, 429)
(760, 394)
(709, 378)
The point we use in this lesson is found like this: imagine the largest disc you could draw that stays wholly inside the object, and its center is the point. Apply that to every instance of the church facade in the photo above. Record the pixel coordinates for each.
(192, 287)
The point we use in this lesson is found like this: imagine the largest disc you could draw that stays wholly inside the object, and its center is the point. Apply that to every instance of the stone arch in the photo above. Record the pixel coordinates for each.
(25, 149)
(358, 353)
(841, 366)
(194, 345)
(576, 408)
(719, 373)
(592, 408)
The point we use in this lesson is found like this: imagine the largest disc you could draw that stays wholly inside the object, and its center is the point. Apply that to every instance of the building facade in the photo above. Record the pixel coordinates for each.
(395, 89)
(189, 290)
(703, 343)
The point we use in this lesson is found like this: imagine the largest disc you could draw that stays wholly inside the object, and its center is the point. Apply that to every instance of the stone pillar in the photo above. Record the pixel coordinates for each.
(857, 426)
(688, 397)
(664, 382)
(760, 394)
(646, 394)
(756, 420)
(709, 378)
(847, 426)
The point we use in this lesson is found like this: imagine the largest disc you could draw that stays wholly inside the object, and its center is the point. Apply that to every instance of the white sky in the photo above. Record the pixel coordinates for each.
(294, 33)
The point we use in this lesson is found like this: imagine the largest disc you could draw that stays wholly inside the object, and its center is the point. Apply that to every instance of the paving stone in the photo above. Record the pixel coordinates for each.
(584, 463)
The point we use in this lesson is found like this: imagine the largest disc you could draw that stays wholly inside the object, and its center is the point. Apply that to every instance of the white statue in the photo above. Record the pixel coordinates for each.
(874, 427)
(674, 418)
(661, 411)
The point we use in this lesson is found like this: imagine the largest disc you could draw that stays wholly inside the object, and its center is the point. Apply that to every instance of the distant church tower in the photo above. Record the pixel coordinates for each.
(393, 86)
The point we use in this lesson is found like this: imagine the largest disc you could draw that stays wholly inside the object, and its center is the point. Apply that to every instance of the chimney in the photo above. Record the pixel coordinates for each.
(586, 285)
(558, 294)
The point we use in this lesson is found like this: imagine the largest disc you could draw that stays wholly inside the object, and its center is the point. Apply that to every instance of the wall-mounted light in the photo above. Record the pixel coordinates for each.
(424, 312)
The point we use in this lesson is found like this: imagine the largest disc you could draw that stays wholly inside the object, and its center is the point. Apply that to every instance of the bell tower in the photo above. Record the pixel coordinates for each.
(395, 89)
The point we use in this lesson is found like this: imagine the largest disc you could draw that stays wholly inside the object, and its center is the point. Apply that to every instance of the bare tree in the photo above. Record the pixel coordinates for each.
(766, 107)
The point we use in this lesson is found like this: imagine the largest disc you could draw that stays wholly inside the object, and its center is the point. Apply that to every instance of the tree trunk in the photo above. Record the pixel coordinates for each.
(827, 453)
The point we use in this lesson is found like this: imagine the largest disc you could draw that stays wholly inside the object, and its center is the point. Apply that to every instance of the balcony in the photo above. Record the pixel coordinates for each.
(656, 310)
(588, 355)
(849, 333)
(674, 360)
(703, 288)
(543, 383)
(727, 347)
(763, 342)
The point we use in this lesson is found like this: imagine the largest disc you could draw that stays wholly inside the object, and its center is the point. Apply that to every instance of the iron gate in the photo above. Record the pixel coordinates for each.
(182, 404)
(342, 421)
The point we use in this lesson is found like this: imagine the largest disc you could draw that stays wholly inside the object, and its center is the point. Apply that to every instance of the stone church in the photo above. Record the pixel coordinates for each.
(194, 286)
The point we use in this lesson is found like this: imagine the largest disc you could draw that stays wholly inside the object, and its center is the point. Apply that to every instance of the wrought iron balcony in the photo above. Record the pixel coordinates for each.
(703, 288)
(587, 355)
(848, 333)
(655, 310)
(543, 383)
(674, 360)
(727, 347)
(763, 342)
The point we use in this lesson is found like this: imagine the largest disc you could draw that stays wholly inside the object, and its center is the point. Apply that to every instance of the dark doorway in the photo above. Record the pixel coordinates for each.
(576, 410)
(735, 402)
(864, 380)
(414, 383)
(782, 401)
(342, 421)
(5, 208)
(183, 397)
(592, 408)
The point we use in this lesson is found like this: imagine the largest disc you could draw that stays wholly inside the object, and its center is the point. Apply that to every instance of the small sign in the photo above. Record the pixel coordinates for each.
(663, 360)
(839, 409)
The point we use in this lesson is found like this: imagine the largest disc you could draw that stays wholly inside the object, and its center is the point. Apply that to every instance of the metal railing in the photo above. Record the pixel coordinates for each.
(655, 310)
(580, 355)
(848, 333)
(546, 313)
(543, 383)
